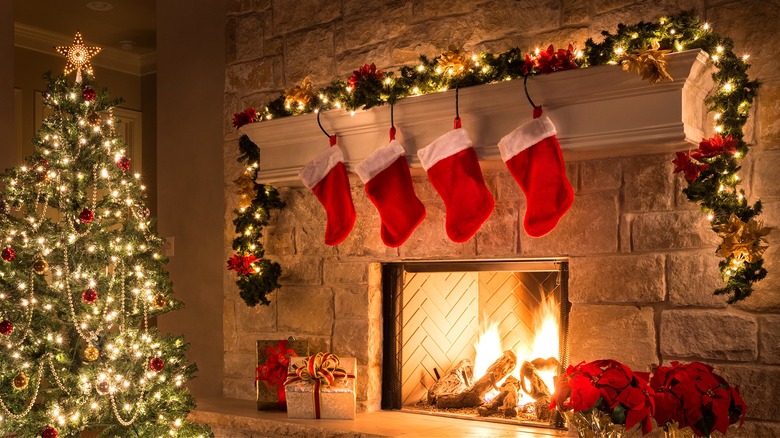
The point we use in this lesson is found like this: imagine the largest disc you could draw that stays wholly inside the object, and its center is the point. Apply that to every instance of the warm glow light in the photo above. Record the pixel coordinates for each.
(488, 349)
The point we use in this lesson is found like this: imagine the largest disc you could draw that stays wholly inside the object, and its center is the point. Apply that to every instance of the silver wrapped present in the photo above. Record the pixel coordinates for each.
(321, 386)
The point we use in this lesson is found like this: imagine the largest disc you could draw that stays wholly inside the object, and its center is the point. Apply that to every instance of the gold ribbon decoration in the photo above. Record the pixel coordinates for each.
(322, 367)
(744, 242)
(650, 63)
(455, 61)
(299, 95)
(246, 189)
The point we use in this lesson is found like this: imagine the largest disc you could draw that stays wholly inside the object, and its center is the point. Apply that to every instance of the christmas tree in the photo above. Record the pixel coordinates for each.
(81, 279)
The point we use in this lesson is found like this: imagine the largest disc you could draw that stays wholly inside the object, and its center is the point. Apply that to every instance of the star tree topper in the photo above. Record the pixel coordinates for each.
(78, 56)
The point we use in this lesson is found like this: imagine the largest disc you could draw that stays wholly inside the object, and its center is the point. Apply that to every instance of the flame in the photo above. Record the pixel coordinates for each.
(488, 349)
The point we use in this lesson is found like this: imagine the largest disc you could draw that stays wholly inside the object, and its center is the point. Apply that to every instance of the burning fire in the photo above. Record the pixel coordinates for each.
(544, 346)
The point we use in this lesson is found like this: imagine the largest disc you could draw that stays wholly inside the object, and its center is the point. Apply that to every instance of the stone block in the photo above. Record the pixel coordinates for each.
(309, 53)
(305, 311)
(498, 236)
(672, 230)
(249, 36)
(575, 12)
(560, 38)
(349, 60)
(709, 334)
(766, 178)
(737, 20)
(425, 9)
(365, 242)
(242, 388)
(300, 270)
(352, 302)
(617, 279)
(766, 293)
(279, 240)
(430, 239)
(758, 385)
(648, 183)
(290, 16)
(229, 334)
(504, 16)
(240, 365)
(754, 429)
(600, 174)
(589, 227)
(507, 191)
(246, 77)
(692, 278)
(350, 338)
(255, 319)
(681, 201)
(768, 114)
(769, 339)
(623, 333)
(647, 10)
(337, 272)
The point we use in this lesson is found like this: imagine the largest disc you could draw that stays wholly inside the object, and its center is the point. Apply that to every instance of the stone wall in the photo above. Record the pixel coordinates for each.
(642, 258)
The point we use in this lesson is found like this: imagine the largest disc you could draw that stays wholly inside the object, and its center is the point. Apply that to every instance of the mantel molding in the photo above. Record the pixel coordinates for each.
(598, 112)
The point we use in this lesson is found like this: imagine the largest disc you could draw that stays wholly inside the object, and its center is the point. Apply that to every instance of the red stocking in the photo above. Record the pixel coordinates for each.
(389, 186)
(327, 177)
(453, 169)
(534, 158)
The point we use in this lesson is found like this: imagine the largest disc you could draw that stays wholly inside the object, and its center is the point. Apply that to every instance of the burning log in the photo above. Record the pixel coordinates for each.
(505, 402)
(538, 389)
(455, 381)
(474, 396)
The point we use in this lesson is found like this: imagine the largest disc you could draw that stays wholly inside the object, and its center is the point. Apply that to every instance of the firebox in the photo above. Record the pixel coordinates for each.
(475, 339)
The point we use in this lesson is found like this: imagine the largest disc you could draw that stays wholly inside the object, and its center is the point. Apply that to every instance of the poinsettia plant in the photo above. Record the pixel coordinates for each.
(691, 395)
(604, 393)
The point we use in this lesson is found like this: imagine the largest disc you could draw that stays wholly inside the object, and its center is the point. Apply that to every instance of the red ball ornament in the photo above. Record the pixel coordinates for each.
(156, 364)
(49, 432)
(8, 254)
(89, 296)
(6, 327)
(86, 216)
(123, 163)
(88, 94)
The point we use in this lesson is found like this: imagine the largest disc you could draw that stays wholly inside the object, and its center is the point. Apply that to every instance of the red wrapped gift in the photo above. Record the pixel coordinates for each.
(273, 359)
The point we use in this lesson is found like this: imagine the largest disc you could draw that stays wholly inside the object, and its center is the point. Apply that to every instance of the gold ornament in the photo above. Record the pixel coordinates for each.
(650, 63)
(742, 241)
(91, 353)
(246, 189)
(40, 266)
(159, 301)
(455, 61)
(93, 119)
(78, 55)
(299, 95)
(21, 381)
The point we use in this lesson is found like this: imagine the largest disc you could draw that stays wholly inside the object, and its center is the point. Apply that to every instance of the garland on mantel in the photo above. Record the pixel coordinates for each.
(711, 170)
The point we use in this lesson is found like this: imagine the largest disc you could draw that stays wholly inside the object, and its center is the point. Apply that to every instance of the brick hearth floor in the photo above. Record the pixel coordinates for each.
(232, 418)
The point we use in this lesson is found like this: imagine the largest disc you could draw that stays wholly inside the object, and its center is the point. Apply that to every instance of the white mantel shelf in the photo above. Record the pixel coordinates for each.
(598, 112)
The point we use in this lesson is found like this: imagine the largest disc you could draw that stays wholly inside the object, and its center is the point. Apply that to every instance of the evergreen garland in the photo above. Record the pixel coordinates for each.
(715, 188)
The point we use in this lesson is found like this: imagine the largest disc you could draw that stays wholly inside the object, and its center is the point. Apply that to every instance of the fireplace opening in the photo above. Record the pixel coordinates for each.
(475, 339)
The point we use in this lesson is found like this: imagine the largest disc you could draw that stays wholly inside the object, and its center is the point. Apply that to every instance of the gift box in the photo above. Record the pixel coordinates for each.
(321, 386)
(273, 359)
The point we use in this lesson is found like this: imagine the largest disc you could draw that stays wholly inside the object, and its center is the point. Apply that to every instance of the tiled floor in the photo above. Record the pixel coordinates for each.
(240, 419)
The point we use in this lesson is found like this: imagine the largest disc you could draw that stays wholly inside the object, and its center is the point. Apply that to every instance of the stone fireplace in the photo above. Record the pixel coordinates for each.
(640, 257)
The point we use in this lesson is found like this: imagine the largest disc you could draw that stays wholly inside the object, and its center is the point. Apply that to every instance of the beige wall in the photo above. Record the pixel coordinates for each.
(190, 78)
(7, 128)
(640, 287)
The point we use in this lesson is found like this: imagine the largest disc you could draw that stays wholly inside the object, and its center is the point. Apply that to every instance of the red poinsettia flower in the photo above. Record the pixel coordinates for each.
(528, 65)
(550, 60)
(247, 116)
(637, 398)
(613, 381)
(365, 73)
(688, 163)
(717, 145)
(242, 263)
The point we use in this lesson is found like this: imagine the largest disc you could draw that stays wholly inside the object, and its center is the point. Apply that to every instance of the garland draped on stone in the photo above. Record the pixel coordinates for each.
(640, 48)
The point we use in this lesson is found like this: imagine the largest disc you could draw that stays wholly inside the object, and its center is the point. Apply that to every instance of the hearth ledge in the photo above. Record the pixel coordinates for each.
(598, 112)
(239, 418)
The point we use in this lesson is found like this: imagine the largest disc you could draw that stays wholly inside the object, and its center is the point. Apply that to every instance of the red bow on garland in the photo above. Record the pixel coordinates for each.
(322, 369)
(274, 370)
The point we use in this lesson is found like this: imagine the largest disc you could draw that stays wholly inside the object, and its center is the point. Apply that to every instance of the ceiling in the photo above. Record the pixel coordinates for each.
(128, 20)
